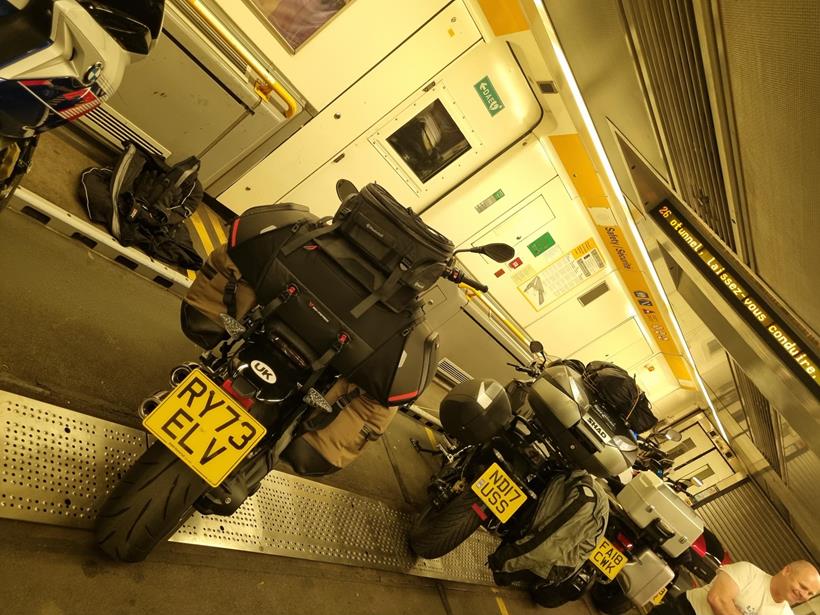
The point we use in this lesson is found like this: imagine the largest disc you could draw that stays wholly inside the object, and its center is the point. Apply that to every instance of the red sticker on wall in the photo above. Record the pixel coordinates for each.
(499, 273)
(515, 264)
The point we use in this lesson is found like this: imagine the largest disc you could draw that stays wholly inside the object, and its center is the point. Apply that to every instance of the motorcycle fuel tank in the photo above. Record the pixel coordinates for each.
(646, 498)
(583, 435)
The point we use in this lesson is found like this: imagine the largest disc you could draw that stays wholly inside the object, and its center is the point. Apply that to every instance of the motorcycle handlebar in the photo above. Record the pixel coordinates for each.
(457, 276)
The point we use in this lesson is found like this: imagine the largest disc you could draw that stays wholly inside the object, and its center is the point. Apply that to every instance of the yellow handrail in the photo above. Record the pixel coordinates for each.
(266, 82)
(473, 293)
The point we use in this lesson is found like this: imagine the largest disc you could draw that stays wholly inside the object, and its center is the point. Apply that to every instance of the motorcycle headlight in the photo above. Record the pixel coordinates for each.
(624, 444)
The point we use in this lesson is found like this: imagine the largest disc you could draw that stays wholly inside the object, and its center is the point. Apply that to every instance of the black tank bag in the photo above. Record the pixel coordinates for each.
(391, 353)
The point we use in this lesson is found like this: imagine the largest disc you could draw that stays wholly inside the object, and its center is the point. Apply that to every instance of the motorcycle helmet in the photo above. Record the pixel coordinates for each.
(475, 410)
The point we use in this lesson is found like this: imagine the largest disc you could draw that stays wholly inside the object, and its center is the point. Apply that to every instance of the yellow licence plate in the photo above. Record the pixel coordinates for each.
(205, 427)
(499, 492)
(608, 559)
(658, 598)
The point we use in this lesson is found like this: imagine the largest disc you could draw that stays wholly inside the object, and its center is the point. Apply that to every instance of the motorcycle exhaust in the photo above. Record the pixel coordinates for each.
(149, 404)
(180, 373)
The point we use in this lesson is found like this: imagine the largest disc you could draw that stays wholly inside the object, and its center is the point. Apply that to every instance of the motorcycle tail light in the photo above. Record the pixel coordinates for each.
(246, 402)
(625, 541)
(478, 510)
(699, 546)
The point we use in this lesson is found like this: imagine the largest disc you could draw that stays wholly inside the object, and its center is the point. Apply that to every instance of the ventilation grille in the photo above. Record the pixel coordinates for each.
(452, 373)
(593, 293)
(665, 36)
(115, 129)
(763, 426)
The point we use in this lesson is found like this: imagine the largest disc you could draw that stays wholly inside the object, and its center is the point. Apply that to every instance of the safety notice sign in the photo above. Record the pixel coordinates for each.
(562, 275)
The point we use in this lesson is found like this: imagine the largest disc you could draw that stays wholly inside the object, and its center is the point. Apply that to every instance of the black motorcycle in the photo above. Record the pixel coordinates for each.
(231, 416)
(503, 460)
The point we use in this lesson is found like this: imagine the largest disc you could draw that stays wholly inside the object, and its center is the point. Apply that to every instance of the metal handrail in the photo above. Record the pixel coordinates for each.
(266, 83)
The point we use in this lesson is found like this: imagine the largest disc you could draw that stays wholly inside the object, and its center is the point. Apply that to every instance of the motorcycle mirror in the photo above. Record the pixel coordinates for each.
(536, 347)
(672, 435)
(499, 252)
(344, 188)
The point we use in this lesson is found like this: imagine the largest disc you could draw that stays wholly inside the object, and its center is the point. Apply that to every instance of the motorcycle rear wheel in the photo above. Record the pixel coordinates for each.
(437, 532)
(609, 599)
(152, 500)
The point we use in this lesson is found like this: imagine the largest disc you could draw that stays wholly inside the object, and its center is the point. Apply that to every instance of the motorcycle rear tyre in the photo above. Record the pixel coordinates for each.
(437, 532)
(609, 599)
(149, 504)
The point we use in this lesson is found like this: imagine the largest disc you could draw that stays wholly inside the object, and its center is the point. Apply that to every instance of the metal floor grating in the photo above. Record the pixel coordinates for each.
(58, 465)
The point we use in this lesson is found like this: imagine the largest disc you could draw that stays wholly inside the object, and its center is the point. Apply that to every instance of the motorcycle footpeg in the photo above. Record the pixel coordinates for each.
(314, 399)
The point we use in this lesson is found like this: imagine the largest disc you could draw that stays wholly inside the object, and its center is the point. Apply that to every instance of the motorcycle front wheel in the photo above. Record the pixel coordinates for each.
(149, 504)
(437, 532)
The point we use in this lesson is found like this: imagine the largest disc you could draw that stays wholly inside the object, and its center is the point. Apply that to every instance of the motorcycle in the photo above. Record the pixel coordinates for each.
(703, 556)
(60, 59)
(555, 426)
(251, 395)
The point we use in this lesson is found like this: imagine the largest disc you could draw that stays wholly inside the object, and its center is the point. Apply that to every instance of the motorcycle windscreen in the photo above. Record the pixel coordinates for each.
(135, 24)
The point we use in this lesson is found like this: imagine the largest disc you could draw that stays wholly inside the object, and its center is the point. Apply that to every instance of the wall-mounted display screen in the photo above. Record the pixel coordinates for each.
(429, 142)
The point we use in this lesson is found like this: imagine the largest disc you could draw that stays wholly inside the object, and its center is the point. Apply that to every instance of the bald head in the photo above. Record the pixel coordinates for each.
(796, 583)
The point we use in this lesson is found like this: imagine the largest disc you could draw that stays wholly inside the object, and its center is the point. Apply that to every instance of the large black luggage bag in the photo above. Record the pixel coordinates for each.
(345, 291)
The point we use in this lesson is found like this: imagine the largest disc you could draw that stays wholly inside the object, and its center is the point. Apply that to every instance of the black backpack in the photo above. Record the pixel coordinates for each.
(618, 390)
(144, 201)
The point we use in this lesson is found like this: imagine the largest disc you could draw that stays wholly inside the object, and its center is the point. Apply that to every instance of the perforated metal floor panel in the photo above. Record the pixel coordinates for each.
(58, 466)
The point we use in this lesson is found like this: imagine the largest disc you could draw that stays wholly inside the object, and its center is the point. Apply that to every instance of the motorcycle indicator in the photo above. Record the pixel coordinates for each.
(499, 492)
(607, 558)
(205, 427)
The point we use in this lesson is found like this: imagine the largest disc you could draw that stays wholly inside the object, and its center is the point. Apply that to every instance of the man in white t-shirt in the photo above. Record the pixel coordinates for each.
(744, 589)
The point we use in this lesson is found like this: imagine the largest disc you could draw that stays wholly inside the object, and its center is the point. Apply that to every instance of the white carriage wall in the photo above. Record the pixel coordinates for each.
(339, 124)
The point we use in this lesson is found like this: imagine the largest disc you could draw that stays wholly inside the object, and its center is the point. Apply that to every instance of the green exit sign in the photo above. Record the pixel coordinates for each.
(489, 96)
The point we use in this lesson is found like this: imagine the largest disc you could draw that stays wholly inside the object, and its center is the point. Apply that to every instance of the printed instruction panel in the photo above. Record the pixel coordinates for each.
(562, 276)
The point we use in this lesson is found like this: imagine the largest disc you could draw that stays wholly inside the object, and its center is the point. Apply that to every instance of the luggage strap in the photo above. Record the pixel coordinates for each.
(377, 295)
(506, 552)
(229, 295)
(316, 229)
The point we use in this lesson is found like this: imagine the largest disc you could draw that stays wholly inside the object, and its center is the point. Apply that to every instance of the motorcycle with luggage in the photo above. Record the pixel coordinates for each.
(302, 320)
(59, 60)
(703, 555)
(526, 473)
